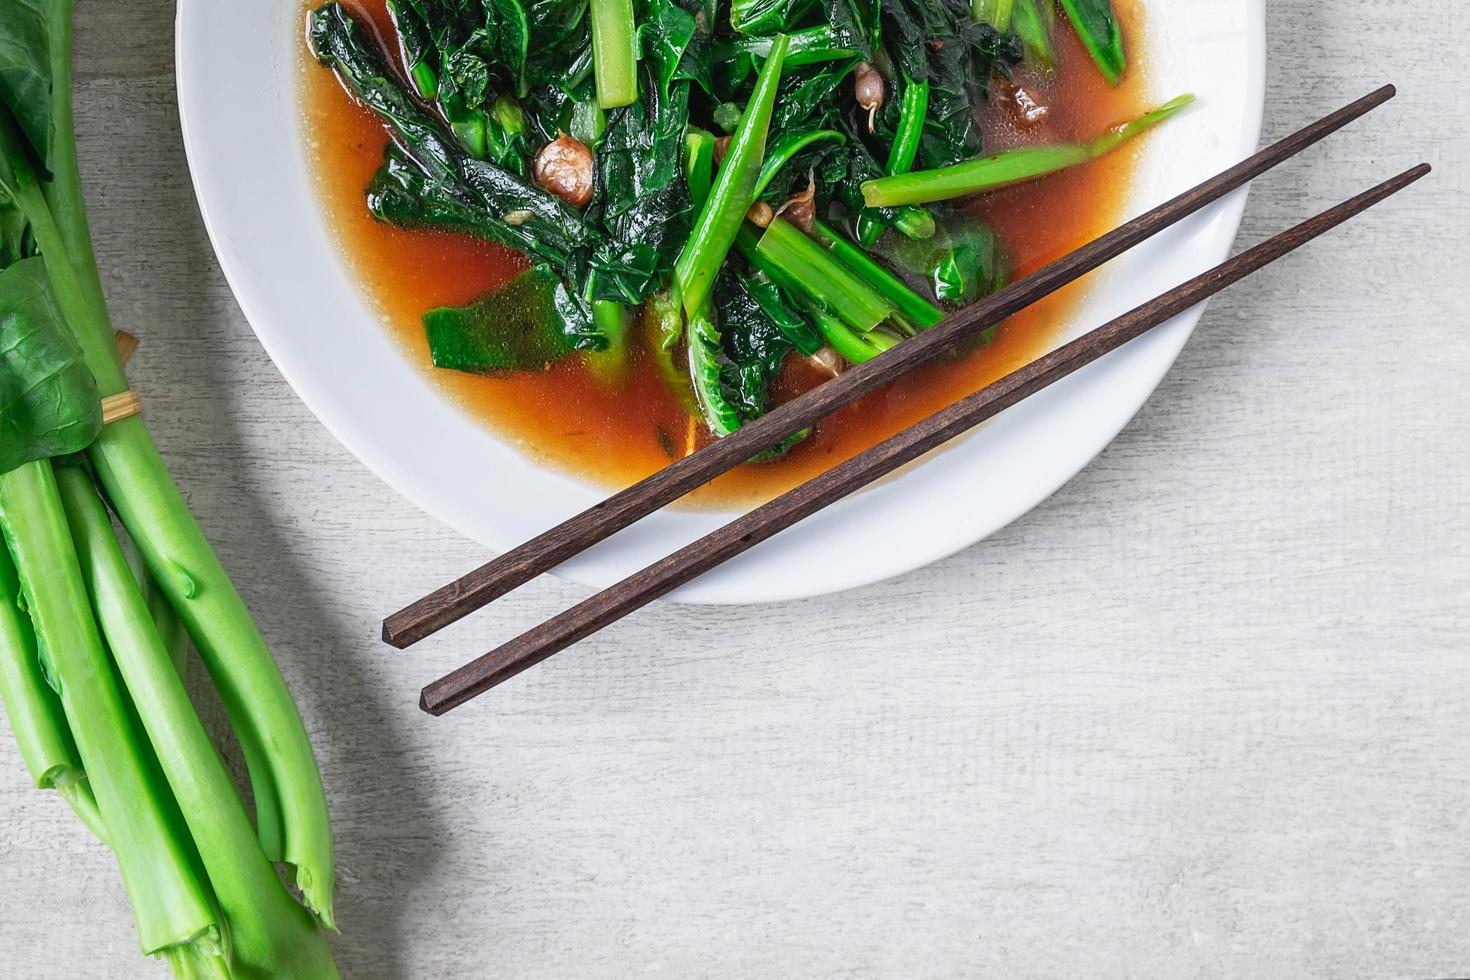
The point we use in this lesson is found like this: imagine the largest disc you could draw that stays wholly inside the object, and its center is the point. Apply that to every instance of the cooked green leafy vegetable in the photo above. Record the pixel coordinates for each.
(734, 190)
(705, 370)
(919, 311)
(962, 263)
(517, 327)
(800, 263)
(806, 47)
(1097, 26)
(1033, 20)
(996, 13)
(747, 182)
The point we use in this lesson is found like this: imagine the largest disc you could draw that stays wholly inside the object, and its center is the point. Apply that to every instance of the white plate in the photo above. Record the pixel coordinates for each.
(238, 99)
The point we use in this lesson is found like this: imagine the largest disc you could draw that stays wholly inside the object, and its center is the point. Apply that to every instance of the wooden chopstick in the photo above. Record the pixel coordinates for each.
(641, 588)
(544, 552)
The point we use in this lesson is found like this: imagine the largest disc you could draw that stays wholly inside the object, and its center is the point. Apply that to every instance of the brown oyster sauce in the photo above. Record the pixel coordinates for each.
(615, 436)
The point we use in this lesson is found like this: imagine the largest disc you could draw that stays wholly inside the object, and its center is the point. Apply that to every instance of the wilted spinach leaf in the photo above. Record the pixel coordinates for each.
(767, 16)
(646, 206)
(754, 346)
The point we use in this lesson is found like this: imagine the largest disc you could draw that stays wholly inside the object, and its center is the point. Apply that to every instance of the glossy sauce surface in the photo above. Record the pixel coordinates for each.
(615, 436)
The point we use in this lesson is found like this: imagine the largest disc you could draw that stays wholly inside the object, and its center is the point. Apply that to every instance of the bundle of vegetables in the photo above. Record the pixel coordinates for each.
(582, 133)
(91, 648)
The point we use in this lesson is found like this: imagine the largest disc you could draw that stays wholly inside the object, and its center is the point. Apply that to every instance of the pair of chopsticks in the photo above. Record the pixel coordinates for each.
(549, 549)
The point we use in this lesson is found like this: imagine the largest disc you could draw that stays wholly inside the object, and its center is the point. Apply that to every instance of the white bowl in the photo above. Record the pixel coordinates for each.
(238, 99)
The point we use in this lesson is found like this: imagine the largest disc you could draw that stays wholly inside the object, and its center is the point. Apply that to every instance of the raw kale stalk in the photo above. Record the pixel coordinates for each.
(33, 709)
(291, 810)
(267, 931)
(171, 906)
(103, 740)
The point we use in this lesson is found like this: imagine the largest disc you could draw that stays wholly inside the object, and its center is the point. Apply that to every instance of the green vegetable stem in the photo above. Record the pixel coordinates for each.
(911, 221)
(801, 265)
(734, 190)
(996, 13)
(808, 46)
(719, 413)
(171, 905)
(33, 709)
(914, 307)
(1008, 167)
(94, 693)
(265, 932)
(614, 52)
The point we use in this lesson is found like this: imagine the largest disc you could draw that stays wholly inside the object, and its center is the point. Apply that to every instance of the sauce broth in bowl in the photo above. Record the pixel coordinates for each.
(615, 434)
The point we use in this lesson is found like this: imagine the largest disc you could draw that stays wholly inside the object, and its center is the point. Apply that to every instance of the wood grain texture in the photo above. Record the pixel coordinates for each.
(1201, 714)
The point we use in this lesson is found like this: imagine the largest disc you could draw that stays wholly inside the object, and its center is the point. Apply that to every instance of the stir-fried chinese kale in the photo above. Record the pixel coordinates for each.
(756, 180)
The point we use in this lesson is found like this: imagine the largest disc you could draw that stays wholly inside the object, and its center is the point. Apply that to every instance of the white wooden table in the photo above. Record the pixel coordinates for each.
(1206, 712)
